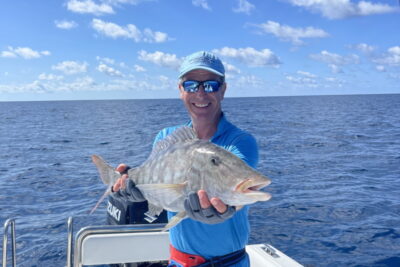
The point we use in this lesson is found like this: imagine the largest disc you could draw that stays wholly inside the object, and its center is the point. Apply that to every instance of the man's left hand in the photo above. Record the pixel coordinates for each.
(211, 211)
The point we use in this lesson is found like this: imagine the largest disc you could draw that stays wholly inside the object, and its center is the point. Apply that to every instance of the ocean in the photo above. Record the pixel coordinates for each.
(334, 162)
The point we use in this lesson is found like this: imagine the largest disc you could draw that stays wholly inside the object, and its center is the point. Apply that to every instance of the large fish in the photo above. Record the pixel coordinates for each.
(182, 163)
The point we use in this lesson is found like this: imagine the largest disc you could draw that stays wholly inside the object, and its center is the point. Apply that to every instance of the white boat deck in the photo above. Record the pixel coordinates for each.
(114, 244)
(139, 243)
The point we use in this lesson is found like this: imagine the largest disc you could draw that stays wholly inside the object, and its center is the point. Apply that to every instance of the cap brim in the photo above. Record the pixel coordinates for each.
(201, 68)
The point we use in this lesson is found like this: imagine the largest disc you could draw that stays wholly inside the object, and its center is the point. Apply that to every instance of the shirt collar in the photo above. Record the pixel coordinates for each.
(223, 125)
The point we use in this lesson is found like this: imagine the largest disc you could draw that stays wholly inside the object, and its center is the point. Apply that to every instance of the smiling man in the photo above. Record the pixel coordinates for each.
(215, 234)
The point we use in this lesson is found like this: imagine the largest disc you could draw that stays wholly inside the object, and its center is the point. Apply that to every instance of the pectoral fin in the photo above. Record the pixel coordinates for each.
(175, 220)
(166, 193)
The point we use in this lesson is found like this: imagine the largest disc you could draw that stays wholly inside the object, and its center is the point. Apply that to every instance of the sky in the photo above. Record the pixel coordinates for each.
(132, 49)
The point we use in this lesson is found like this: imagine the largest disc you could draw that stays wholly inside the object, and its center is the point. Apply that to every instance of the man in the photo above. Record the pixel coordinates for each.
(214, 232)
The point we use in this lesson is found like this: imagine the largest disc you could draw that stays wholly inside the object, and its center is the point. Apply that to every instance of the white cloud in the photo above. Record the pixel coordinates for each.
(24, 52)
(250, 56)
(161, 59)
(50, 77)
(306, 74)
(335, 61)
(338, 9)
(244, 6)
(139, 68)
(231, 68)
(65, 24)
(110, 71)
(106, 60)
(201, 3)
(8, 54)
(380, 68)
(71, 67)
(89, 7)
(365, 48)
(303, 78)
(287, 33)
(390, 58)
(130, 31)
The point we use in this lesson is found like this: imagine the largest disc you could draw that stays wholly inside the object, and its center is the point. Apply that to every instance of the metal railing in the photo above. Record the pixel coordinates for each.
(9, 223)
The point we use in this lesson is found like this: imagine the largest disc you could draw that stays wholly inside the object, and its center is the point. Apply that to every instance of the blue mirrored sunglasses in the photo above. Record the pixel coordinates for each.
(209, 86)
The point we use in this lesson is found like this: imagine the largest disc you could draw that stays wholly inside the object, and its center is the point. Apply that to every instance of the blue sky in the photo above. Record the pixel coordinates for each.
(124, 49)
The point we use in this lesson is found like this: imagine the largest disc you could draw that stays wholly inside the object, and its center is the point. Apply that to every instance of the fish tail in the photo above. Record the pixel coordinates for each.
(107, 173)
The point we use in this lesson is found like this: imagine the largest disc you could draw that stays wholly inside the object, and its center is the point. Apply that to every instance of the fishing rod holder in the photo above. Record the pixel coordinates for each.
(9, 224)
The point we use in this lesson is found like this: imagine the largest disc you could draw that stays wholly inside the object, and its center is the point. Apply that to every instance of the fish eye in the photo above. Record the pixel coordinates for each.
(215, 161)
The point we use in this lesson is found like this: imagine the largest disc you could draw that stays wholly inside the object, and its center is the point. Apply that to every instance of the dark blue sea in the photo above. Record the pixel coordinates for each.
(334, 162)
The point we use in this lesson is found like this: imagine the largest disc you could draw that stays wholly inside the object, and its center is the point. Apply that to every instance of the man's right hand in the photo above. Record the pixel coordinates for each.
(125, 187)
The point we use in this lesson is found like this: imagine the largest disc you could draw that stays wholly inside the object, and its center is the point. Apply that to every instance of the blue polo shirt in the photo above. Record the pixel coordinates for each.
(210, 240)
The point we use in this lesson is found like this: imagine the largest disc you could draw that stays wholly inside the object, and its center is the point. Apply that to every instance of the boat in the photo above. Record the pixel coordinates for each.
(132, 245)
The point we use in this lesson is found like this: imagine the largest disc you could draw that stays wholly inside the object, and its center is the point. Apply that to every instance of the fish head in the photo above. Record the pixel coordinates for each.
(229, 178)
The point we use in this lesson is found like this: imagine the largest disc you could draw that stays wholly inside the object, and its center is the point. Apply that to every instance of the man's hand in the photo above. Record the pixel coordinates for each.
(199, 207)
(125, 187)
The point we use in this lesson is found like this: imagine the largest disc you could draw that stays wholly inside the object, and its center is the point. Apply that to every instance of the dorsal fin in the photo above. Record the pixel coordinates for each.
(181, 134)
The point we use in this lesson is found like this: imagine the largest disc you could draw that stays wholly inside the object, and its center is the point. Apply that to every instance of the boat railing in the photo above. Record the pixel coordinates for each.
(112, 244)
(9, 226)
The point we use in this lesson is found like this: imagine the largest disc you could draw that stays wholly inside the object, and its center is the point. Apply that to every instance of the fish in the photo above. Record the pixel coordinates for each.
(182, 163)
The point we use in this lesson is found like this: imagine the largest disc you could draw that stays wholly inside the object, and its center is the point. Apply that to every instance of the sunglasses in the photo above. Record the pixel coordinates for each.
(209, 86)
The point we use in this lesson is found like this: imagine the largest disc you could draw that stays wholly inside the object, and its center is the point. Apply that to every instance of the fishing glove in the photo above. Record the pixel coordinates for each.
(130, 192)
(209, 215)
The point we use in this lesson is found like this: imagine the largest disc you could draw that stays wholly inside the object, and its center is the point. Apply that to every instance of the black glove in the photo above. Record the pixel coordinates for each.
(209, 215)
(130, 192)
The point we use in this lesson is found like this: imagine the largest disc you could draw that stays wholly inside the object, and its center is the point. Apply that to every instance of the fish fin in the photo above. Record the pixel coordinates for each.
(107, 173)
(175, 220)
(167, 192)
(152, 213)
(181, 134)
(106, 193)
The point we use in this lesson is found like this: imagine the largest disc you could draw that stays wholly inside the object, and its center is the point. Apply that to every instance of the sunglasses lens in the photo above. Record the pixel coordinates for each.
(191, 86)
(211, 86)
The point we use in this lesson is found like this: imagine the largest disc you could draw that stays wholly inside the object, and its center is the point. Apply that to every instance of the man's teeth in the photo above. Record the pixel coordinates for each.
(201, 105)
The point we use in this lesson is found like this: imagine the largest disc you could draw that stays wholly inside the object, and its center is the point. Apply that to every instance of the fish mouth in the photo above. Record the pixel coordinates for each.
(251, 187)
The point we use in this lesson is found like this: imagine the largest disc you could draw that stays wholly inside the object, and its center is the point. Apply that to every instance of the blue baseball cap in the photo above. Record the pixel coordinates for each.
(202, 60)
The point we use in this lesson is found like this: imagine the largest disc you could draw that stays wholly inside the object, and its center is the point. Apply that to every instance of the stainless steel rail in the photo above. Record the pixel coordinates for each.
(9, 223)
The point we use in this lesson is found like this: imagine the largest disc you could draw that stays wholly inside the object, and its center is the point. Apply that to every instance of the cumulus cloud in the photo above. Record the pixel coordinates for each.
(201, 3)
(130, 31)
(23, 52)
(365, 48)
(89, 7)
(335, 61)
(71, 67)
(390, 58)
(303, 78)
(161, 59)
(65, 24)
(291, 34)
(250, 56)
(106, 60)
(139, 68)
(110, 71)
(338, 9)
(244, 6)
(50, 77)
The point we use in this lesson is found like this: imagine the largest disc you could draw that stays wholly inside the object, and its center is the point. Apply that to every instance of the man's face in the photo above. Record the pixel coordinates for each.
(202, 105)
